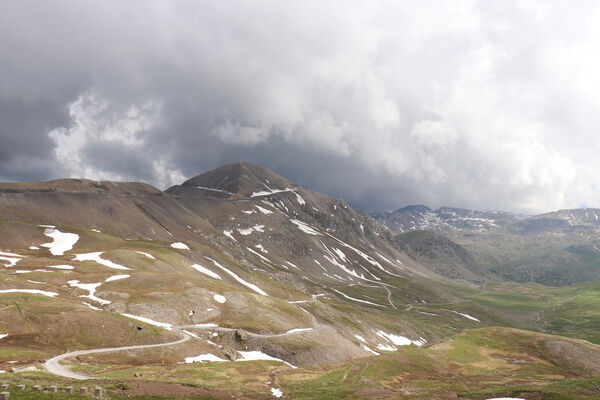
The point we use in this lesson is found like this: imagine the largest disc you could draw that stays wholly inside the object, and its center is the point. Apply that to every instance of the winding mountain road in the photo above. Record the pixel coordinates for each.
(53, 365)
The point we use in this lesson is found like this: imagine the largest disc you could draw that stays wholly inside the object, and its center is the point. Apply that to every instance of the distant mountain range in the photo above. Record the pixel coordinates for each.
(555, 248)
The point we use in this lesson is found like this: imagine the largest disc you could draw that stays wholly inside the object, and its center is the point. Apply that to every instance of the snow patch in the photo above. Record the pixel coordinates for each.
(259, 355)
(206, 271)
(61, 241)
(203, 358)
(297, 330)
(465, 315)
(229, 234)
(60, 266)
(259, 255)
(359, 300)
(270, 192)
(91, 306)
(12, 258)
(219, 299)
(276, 392)
(91, 288)
(367, 348)
(299, 199)
(3, 335)
(149, 321)
(386, 347)
(304, 227)
(180, 246)
(238, 279)
(117, 277)
(261, 248)
(32, 291)
(95, 256)
(263, 210)
(362, 339)
(146, 254)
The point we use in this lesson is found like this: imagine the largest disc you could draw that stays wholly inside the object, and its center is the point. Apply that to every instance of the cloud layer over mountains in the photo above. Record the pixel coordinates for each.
(490, 105)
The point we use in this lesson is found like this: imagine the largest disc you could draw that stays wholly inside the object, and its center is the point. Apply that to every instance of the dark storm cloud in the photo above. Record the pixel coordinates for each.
(446, 103)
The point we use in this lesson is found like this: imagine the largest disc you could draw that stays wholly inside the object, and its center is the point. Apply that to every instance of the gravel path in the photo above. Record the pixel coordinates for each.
(54, 367)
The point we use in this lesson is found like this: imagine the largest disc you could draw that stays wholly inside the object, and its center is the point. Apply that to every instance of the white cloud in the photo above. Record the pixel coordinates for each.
(466, 103)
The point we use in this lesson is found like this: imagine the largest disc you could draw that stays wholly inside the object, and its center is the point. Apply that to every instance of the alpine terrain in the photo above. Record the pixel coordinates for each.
(238, 283)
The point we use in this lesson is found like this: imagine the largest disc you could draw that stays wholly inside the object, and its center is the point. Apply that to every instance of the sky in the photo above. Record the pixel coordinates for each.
(491, 105)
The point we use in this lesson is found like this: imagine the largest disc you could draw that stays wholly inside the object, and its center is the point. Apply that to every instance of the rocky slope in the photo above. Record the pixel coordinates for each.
(238, 255)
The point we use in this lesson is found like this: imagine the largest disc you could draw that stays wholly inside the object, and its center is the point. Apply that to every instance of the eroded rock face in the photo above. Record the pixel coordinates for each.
(229, 352)
(241, 335)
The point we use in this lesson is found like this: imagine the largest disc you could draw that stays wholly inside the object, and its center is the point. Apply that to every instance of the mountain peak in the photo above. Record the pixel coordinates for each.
(240, 178)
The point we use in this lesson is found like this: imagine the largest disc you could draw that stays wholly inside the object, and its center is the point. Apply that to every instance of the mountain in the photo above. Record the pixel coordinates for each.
(557, 248)
(441, 255)
(240, 264)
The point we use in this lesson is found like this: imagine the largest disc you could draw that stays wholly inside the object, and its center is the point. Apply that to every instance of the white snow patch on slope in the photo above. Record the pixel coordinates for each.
(276, 392)
(91, 288)
(400, 340)
(60, 266)
(95, 256)
(4, 253)
(261, 248)
(237, 278)
(359, 300)
(263, 210)
(61, 241)
(32, 291)
(229, 235)
(180, 246)
(367, 348)
(219, 299)
(297, 330)
(33, 248)
(386, 347)
(209, 325)
(362, 339)
(249, 212)
(146, 254)
(299, 199)
(92, 307)
(12, 258)
(117, 277)
(259, 255)
(206, 271)
(12, 261)
(259, 355)
(149, 321)
(270, 192)
(203, 358)
(465, 315)
(3, 335)
(96, 230)
(304, 227)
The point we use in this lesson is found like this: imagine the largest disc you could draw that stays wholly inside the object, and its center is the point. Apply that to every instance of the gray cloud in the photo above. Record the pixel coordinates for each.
(460, 103)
